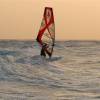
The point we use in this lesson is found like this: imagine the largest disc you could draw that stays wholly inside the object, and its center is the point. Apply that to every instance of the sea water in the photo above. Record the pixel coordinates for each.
(73, 72)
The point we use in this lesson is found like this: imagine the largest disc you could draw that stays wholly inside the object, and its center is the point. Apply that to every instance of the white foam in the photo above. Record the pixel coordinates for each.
(10, 58)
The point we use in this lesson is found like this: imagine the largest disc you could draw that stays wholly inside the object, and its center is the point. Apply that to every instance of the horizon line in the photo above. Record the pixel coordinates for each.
(55, 40)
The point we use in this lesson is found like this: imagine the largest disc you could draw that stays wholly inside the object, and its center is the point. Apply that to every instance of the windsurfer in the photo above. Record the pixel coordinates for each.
(47, 33)
(44, 50)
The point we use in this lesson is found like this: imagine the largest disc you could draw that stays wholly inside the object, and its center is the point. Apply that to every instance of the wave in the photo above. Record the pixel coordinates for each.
(72, 72)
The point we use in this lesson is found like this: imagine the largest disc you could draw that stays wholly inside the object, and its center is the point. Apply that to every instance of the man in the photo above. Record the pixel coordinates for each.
(44, 50)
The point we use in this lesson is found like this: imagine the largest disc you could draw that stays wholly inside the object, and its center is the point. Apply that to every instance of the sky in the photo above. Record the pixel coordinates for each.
(74, 19)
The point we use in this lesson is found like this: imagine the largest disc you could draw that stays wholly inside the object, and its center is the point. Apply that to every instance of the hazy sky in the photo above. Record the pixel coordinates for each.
(74, 19)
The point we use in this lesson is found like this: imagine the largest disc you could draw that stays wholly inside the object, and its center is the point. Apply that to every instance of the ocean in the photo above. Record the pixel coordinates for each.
(73, 72)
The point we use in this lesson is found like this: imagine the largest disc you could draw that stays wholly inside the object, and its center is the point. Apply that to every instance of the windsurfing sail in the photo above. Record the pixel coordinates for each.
(46, 32)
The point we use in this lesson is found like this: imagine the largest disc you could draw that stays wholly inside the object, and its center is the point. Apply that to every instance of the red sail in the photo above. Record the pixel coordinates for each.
(46, 33)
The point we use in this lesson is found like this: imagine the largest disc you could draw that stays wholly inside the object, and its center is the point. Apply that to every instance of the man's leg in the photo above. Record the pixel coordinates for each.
(49, 54)
(43, 53)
